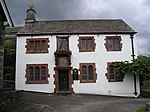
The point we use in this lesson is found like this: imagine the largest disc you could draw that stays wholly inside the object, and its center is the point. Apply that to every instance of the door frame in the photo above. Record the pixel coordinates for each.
(56, 79)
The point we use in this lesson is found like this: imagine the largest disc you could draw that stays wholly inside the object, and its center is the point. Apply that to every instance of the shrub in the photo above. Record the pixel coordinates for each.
(145, 93)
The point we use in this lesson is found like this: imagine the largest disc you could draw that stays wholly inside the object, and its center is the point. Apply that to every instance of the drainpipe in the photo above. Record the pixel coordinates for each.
(133, 57)
(1, 50)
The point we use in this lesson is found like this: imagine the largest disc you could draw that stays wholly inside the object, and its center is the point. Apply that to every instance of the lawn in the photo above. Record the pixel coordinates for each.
(141, 110)
(144, 93)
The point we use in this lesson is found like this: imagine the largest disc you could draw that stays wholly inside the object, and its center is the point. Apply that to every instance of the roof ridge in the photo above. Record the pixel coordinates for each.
(80, 20)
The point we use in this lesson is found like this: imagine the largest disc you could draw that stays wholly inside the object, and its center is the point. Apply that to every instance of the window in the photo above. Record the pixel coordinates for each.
(113, 43)
(37, 74)
(111, 73)
(37, 45)
(86, 44)
(87, 72)
(63, 43)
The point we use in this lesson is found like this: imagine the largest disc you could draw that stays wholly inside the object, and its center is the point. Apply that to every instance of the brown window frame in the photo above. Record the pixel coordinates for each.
(65, 37)
(40, 81)
(34, 40)
(113, 38)
(94, 73)
(119, 79)
(87, 38)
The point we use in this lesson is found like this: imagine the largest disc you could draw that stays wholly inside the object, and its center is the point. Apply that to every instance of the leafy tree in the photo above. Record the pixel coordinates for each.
(140, 66)
(9, 60)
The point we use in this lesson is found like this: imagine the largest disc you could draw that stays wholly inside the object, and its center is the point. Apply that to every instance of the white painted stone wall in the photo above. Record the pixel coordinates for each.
(100, 57)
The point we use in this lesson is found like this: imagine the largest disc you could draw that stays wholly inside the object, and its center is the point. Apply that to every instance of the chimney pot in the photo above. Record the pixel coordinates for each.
(30, 15)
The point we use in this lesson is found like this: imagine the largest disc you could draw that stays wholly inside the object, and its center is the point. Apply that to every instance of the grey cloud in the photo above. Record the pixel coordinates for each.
(46, 9)
(135, 12)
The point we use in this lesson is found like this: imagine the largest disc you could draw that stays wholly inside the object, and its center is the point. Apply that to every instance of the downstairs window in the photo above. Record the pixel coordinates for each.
(37, 73)
(87, 72)
(111, 73)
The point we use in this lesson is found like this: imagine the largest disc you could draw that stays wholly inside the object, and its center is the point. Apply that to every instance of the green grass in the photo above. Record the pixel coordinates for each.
(141, 110)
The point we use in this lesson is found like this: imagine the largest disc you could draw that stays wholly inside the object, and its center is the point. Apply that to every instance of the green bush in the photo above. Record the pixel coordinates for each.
(145, 93)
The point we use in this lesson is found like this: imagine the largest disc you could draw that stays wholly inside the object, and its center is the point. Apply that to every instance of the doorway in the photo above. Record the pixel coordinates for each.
(63, 80)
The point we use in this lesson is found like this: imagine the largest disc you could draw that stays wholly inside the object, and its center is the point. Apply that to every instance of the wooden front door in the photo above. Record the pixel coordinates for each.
(63, 80)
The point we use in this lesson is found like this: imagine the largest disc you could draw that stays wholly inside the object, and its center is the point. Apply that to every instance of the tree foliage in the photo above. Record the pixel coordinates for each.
(140, 66)
(9, 60)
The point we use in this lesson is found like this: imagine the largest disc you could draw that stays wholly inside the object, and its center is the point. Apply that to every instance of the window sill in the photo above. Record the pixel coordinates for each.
(114, 50)
(86, 50)
(36, 82)
(115, 81)
(33, 52)
(87, 81)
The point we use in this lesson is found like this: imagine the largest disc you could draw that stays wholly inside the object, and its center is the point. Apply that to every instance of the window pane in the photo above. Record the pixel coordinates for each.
(43, 70)
(112, 72)
(119, 77)
(84, 73)
(37, 73)
(30, 73)
(112, 77)
(83, 44)
(43, 45)
(116, 44)
(89, 44)
(110, 43)
(63, 43)
(37, 46)
(31, 45)
(90, 72)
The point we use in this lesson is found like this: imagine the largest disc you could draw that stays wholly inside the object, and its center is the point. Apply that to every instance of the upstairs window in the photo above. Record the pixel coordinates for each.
(37, 45)
(86, 44)
(63, 43)
(111, 73)
(87, 72)
(37, 74)
(113, 43)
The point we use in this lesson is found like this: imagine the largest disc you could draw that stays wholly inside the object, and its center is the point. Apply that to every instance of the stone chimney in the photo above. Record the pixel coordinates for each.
(30, 15)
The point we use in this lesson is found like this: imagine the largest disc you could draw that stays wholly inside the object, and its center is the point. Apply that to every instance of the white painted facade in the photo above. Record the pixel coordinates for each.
(100, 57)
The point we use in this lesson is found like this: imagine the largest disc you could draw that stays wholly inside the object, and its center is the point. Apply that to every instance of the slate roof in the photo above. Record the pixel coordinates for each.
(101, 26)
(10, 33)
(13, 29)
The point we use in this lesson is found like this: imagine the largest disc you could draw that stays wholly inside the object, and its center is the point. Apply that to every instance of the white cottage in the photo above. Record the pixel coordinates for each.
(75, 56)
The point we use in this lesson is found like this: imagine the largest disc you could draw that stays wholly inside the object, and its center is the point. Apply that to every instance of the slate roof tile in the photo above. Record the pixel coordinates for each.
(100, 26)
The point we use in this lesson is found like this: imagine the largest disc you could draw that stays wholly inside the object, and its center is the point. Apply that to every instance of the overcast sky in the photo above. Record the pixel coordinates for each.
(136, 13)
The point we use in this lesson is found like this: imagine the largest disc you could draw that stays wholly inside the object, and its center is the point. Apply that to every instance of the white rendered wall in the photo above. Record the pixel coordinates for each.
(100, 57)
(45, 58)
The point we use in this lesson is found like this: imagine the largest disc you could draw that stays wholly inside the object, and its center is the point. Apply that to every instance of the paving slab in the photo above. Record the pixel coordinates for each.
(39, 102)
